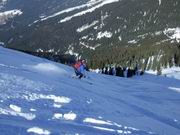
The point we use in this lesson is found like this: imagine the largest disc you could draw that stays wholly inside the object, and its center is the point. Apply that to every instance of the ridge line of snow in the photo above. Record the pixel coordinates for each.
(89, 4)
(86, 26)
(105, 2)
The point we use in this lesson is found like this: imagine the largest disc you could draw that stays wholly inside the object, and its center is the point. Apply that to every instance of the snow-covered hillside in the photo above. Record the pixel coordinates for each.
(4, 16)
(38, 96)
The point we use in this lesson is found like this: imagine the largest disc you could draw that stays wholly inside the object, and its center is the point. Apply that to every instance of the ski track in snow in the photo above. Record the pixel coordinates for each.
(74, 104)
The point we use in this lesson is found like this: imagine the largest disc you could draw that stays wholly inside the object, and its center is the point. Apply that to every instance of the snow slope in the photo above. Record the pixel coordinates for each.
(38, 96)
(172, 72)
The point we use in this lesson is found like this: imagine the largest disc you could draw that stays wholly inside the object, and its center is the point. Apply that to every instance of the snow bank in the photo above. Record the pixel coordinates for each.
(56, 99)
(57, 105)
(28, 116)
(57, 116)
(175, 89)
(70, 116)
(67, 116)
(38, 130)
(15, 108)
(95, 121)
(173, 72)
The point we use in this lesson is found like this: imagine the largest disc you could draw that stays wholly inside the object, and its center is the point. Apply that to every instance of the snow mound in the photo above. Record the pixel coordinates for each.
(173, 72)
(39, 131)
(27, 116)
(15, 108)
(56, 99)
(70, 116)
(67, 116)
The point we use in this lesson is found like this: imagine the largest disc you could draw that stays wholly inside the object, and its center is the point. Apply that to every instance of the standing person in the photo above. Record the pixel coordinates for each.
(114, 70)
(83, 68)
(106, 70)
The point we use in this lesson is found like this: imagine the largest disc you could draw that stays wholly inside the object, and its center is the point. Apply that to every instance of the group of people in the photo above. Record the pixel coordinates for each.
(80, 68)
(121, 71)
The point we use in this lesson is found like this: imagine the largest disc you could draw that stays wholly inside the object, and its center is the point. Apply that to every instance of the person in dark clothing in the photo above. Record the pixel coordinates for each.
(103, 71)
(106, 70)
(118, 71)
(110, 71)
(121, 74)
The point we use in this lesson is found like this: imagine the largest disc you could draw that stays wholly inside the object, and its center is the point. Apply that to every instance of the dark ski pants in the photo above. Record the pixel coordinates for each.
(78, 73)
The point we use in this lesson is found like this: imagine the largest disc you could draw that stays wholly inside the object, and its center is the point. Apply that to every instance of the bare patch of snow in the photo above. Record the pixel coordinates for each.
(71, 51)
(103, 17)
(90, 47)
(120, 131)
(70, 116)
(67, 116)
(33, 110)
(56, 99)
(120, 38)
(2, 44)
(145, 13)
(84, 37)
(15, 108)
(104, 34)
(50, 50)
(28, 116)
(157, 33)
(173, 33)
(132, 42)
(87, 26)
(4, 16)
(39, 131)
(39, 50)
(57, 116)
(57, 105)
(159, 2)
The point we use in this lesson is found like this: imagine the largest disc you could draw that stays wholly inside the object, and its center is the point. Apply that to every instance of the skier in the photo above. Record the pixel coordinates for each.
(79, 68)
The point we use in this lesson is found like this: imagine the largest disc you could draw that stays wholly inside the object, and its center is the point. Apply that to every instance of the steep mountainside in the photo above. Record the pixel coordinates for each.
(39, 97)
(85, 27)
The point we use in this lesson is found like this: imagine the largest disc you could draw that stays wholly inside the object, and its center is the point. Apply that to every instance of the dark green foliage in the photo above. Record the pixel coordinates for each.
(148, 57)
